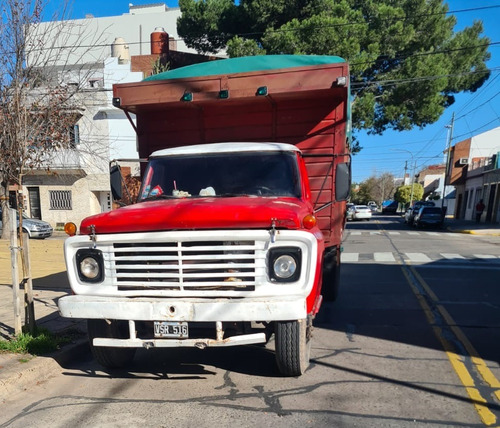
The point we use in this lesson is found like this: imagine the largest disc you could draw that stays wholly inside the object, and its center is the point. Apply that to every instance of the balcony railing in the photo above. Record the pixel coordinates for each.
(63, 159)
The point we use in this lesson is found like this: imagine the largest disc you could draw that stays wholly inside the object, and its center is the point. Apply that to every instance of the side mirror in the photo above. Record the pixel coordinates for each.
(342, 181)
(115, 178)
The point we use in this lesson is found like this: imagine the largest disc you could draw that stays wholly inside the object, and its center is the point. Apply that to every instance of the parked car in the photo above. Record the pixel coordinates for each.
(412, 211)
(361, 212)
(390, 207)
(429, 216)
(33, 227)
(350, 212)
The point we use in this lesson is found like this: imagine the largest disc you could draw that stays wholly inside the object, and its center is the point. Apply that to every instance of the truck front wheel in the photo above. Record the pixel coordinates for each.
(293, 346)
(108, 356)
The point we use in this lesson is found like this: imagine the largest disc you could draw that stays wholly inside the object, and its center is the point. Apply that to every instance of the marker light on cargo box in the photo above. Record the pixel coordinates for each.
(341, 81)
(188, 96)
(224, 94)
(309, 221)
(262, 90)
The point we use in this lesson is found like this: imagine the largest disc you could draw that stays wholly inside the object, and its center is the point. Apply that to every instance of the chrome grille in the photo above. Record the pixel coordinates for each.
(188, 265)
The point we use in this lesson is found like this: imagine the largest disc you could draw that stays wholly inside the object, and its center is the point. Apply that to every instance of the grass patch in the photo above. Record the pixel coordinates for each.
(40, 343)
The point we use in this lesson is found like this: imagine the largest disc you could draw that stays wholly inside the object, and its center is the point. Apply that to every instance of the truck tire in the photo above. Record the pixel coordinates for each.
(331, 274)
(108, 356)
(293, 346)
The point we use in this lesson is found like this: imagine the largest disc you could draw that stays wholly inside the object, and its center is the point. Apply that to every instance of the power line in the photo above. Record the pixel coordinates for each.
(477, 129)
(479, 106)
(437, 52)
(483, 88)
(391, 82)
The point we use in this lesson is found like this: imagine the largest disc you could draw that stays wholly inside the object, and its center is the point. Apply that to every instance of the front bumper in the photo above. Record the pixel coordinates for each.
(41, 233)
(195, 310)
(188, 310)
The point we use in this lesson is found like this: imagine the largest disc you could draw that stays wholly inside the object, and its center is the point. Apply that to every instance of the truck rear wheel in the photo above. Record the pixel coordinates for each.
(293, 346)
(331, 274)
(108, 356)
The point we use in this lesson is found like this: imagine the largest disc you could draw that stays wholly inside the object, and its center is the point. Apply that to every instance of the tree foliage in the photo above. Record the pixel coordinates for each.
(406, 60)
(404, 194)
(377, 189)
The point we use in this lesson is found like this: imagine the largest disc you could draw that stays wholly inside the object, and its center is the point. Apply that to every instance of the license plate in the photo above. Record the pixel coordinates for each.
(171, 329)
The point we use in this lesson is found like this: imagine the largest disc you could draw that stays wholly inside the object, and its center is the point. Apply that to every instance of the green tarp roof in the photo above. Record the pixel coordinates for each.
(245, 64)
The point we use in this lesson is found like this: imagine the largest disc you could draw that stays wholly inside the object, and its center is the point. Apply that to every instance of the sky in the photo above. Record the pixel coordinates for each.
(475, 113)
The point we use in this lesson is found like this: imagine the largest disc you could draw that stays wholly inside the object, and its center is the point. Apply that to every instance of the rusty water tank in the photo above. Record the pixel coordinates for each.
(159, 41)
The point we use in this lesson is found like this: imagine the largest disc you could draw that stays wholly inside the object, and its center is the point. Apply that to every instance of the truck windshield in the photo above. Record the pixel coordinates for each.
(222, 174)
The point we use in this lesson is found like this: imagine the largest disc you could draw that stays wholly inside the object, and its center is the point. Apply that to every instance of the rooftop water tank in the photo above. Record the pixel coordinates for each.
(159, 41)
(120, 50)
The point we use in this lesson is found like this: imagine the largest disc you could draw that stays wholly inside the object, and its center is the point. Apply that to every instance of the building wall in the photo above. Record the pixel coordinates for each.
(84, 200)
(477, 179)
(473, 192)
(134, 27)
(457, 172)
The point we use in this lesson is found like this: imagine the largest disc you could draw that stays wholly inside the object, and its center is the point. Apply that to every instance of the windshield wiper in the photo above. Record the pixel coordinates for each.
(156, 197)
(230, 195)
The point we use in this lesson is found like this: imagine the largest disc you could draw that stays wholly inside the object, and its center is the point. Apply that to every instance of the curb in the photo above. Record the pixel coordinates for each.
(472, 232)
(22, 376)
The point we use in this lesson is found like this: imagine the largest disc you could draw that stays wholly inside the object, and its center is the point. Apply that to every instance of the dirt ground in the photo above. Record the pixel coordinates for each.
(47, 263)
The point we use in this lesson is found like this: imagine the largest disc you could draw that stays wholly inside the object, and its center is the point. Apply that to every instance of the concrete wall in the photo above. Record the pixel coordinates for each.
(95, 35)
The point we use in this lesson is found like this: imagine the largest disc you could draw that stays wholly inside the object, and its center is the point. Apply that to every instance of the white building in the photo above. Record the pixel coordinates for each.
(89, 40)
(474, 171)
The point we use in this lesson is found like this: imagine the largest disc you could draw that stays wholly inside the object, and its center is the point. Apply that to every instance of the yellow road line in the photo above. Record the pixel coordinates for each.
(481, 366)
(487, 417)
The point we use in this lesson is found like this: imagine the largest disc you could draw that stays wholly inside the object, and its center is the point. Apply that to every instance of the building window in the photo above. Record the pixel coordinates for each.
(74, 135)
(60, 199)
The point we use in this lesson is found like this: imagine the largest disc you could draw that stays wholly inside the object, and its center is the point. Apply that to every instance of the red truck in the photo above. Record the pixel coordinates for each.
(237, 230)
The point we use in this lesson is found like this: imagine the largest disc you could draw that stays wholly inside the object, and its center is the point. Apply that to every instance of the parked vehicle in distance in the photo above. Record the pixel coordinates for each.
(33, 227)
(362, 212)
(350, 212)
(429, 216)
(390, 207)
(374, 208)
(412, 211)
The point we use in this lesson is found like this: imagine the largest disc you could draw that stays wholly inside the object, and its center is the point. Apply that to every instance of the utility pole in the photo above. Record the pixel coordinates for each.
(448, 153)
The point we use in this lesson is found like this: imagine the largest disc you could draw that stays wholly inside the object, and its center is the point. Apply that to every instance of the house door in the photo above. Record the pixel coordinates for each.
(34, 197)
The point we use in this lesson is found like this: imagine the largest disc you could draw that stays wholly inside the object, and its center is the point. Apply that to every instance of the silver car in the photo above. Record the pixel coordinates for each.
(33, 227)
(362, 212)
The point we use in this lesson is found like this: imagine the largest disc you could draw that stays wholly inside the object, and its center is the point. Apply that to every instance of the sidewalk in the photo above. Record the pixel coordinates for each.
(50, 283)
(471, 227)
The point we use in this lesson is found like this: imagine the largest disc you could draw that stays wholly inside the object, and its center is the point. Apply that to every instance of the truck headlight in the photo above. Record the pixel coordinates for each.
(284, 264)
(90, 266)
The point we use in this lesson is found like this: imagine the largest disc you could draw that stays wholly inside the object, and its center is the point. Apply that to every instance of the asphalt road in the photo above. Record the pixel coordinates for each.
(411, 341)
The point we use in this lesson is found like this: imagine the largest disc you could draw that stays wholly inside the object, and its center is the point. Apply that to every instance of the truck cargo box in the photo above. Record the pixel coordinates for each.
(300, 100)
